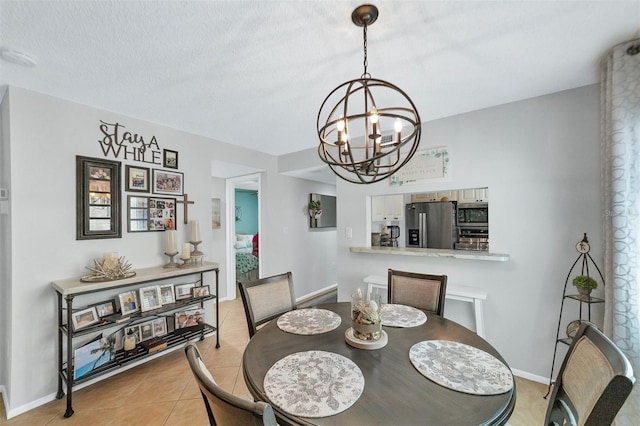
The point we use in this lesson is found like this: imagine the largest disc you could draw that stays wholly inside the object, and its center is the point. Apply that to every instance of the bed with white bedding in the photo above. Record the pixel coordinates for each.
(247, 264)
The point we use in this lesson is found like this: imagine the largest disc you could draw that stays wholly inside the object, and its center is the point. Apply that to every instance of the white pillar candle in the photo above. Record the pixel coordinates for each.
(170, 241)
(195, 230)
(186, 251)
(110, 260)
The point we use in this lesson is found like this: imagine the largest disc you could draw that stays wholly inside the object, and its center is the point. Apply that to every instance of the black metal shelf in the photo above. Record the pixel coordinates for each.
(67, 290)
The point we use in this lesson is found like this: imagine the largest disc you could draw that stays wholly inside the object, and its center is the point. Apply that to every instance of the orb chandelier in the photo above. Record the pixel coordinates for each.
(385, 115)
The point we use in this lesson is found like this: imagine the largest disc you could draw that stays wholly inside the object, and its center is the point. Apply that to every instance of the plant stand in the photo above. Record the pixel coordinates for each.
(585, 299)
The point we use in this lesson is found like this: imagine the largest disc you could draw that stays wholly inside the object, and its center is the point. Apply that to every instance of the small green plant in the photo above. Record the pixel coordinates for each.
(584, 282)
(315, 205)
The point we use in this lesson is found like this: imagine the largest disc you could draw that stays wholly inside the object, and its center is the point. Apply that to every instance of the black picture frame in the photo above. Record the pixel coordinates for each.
(138, 179)
(169, 159)
(106, 308)
(98, 206)
(150, 214)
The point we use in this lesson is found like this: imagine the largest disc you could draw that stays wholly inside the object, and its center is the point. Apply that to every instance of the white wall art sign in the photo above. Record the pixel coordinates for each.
(431, 165)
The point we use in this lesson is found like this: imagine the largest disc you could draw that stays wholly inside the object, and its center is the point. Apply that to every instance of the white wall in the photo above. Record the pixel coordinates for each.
(5, 246)
(46, 135)
(540, 160)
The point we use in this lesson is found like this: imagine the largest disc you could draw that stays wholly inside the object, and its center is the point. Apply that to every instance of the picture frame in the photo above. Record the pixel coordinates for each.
(150, 298)
(200, 291)
(106, 308)
(137, 179)
(167, 182)
(135, 330)
(129, 302)
(183, 291)
(189, 318)
(160, 327)
(90, 356)
(98, 207)
(169, 159)
(167, 294)
(149, 214)
(84, 318)
(146, 331)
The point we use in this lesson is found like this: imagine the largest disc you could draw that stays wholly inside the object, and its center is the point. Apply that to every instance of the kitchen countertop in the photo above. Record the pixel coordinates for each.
(426, 252)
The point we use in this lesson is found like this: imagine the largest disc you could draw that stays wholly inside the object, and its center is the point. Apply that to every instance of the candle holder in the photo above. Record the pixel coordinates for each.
(185, 263)
(171, 263)
(195, 251)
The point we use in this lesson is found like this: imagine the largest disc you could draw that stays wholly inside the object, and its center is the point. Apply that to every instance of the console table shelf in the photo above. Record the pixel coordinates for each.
(68, 289)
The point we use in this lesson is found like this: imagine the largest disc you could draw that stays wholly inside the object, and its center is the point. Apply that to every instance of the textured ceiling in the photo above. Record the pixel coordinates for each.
(254, 73)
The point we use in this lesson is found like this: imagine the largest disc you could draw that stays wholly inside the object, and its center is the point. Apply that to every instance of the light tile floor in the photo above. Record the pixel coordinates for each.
(163, 392)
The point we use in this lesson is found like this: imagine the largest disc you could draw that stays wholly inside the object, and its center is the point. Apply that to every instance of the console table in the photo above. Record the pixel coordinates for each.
(69, 289)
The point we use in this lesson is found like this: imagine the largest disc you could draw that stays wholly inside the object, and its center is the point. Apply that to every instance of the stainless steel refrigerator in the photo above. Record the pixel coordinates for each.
(431, 225)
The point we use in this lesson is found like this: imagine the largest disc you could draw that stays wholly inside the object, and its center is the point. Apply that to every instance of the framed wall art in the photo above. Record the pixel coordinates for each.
(137, 179)
(146, 214)
(97, 199)
(170, 159)
(167, 182)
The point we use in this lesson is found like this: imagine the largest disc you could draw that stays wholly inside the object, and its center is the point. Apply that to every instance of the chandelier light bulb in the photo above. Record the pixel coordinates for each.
(374, 115)
(397, 126)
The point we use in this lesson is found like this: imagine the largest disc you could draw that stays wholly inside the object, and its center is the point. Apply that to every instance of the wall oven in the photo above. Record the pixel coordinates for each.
(473, 215)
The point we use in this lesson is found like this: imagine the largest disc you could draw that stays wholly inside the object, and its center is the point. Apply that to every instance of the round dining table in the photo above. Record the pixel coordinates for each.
(395, 392)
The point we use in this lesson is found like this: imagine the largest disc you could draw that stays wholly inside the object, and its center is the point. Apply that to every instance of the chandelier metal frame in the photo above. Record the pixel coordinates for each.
(373, 156)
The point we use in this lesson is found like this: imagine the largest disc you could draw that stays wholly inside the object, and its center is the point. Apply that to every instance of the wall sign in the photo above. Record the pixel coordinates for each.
(122, 144)
(430, 165)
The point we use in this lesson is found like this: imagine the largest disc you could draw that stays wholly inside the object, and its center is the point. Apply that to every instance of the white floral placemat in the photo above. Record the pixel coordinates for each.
(314, 384)
(308, 321)
(461, 367)
(402, 316)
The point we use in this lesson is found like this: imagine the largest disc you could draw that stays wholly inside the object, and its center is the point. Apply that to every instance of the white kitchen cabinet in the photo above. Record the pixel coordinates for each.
(434, 196)
(387, 207)
(449, 195)
(473, 195)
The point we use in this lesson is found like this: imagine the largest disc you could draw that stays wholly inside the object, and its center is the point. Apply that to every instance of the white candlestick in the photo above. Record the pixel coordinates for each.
(170, 241)
(186, 251)
(195, 230)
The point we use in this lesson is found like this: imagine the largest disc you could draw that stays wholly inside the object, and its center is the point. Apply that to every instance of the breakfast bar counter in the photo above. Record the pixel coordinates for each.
(426, 252)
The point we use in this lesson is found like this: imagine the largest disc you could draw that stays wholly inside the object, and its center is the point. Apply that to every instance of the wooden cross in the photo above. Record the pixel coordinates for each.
(186, 202)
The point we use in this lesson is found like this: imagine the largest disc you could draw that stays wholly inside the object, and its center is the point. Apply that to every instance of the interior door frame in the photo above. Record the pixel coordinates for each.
(231, 185)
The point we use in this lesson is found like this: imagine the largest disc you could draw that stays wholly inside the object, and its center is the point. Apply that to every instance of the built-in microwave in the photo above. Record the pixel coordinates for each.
(473, 214)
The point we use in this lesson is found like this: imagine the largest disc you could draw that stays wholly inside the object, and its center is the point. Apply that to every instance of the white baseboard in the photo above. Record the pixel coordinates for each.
(316, 293)
(529, 376)
(5, 399)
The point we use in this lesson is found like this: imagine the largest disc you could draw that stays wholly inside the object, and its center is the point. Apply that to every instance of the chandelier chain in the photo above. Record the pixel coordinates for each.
(364, 37)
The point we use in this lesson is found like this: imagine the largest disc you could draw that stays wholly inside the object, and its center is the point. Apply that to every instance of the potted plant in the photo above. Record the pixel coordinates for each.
(585, 284)
(315, 208)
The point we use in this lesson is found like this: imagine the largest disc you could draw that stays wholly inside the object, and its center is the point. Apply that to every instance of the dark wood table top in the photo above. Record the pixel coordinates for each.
(395, 392)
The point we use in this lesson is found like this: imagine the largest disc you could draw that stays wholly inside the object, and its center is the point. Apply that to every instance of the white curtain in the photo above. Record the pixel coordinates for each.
(620, 149)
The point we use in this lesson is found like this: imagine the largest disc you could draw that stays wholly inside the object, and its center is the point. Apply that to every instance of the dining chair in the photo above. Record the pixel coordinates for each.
(224, 408)
(266, 298)
(593, 382)
(421, 291)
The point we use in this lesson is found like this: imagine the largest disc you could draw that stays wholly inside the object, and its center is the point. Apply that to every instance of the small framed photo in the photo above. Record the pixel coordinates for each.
(137, 179)
(129, 302)
(169, 159)
(159, 327)
(146, 331)
(200, 291)
(84, 318)
(189, 318)
(166, 294)
(150, 298)
(183, 291)
(133, 332)
(106, 308)
(167, 182)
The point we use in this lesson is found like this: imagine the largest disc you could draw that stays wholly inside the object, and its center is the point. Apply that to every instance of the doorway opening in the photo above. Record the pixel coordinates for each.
(243, 230)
